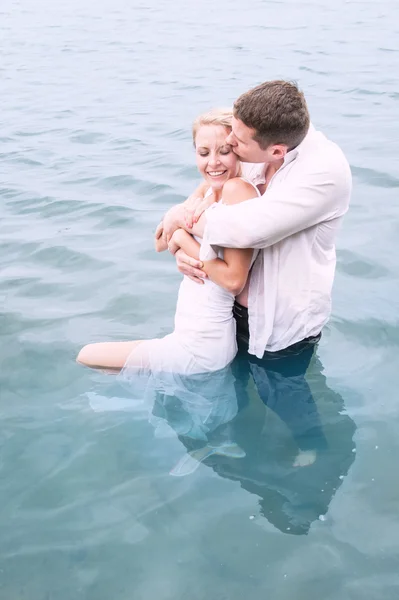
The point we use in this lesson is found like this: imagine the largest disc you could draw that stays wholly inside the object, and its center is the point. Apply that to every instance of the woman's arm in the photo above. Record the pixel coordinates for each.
(185, 241)
(231, 272)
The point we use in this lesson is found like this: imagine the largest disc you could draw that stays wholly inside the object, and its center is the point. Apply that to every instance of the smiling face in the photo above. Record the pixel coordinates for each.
(216, 160)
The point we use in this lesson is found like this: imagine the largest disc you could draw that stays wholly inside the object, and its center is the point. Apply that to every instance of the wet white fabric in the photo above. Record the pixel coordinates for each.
(190, 405)
(185, 378)
(294, 225)
(204, 337)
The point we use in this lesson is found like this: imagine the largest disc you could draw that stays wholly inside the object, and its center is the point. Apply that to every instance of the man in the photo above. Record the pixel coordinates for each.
(305, 182)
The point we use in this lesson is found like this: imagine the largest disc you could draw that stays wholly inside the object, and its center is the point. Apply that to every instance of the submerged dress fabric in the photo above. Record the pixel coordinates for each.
(191, 364)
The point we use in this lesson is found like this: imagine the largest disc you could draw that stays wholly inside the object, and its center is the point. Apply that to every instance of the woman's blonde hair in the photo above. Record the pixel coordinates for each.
(216, 116)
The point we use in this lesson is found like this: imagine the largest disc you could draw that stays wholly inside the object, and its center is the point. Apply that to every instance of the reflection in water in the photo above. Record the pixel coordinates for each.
(270, 435)
(198, 408)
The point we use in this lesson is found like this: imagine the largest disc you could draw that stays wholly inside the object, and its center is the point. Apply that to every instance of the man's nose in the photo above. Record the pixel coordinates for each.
(230, 140)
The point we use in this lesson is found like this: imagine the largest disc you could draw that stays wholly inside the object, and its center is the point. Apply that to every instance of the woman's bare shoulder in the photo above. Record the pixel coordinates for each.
(237, 190)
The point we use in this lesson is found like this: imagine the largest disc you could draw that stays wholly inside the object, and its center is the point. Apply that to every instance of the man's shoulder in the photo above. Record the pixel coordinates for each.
(321, 159)
(319, 149)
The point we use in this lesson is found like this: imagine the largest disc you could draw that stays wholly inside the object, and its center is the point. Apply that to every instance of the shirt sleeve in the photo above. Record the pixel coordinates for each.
(288, 208)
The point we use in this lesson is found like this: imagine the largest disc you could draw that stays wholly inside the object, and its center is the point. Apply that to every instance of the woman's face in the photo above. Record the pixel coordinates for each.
(216, 160)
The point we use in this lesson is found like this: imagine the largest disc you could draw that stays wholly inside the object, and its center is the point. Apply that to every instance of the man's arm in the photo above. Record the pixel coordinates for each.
(284, 211)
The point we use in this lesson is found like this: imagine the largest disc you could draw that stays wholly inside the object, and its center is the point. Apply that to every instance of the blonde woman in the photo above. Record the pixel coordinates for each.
(204, 337)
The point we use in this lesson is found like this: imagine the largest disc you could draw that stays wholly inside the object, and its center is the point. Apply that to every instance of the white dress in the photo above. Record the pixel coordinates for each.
(191, 364)
(204, 337)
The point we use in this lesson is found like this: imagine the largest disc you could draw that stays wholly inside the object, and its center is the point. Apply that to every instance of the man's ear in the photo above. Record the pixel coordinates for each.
(279, 151)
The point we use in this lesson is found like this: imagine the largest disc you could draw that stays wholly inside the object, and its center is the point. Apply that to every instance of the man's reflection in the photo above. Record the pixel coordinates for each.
(270, 435)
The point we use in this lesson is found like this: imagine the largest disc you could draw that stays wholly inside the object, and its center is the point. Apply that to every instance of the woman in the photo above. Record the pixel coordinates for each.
(203, 340)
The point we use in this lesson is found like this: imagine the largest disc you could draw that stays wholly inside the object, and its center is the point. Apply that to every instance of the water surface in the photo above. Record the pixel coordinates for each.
(97, 102)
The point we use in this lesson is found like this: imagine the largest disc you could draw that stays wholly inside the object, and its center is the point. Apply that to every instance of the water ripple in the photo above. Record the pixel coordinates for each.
(97, 106)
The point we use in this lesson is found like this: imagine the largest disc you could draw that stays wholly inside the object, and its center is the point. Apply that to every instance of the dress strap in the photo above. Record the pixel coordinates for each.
(253, 185)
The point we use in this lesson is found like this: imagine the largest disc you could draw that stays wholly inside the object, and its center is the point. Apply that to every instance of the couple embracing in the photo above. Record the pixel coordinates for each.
(255, 243)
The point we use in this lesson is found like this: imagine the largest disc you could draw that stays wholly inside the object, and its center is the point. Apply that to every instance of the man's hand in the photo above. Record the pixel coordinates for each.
(190, 267)
(194, 207)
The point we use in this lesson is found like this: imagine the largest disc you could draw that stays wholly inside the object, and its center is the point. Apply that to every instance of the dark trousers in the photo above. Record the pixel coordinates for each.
(280, 381)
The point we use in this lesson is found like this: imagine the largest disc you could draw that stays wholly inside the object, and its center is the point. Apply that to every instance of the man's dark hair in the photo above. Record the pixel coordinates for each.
(277, 111)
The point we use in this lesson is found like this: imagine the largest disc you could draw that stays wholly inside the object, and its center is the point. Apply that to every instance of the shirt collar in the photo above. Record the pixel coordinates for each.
(290, 156)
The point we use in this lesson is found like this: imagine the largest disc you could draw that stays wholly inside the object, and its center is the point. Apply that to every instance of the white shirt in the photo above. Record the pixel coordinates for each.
(294, 224)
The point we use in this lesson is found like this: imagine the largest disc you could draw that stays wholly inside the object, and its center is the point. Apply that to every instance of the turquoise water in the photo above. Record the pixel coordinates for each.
(97, 101)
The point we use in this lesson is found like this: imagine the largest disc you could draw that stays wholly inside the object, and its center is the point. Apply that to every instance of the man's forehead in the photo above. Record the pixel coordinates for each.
(236, 123)
(240, 129)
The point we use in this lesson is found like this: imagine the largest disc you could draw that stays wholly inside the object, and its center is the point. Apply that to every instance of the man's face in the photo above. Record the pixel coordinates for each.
(247, 149)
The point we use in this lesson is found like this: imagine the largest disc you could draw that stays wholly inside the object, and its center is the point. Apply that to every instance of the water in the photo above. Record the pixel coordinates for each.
(97, 101)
